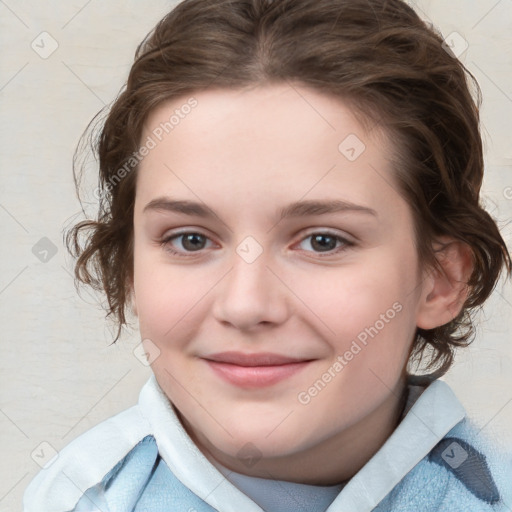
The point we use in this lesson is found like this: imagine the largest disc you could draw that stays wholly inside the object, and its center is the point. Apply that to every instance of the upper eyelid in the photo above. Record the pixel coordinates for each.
(173, 235)
(309, 232)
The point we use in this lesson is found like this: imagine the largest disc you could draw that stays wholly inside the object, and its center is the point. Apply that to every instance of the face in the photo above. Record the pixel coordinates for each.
(321, 299)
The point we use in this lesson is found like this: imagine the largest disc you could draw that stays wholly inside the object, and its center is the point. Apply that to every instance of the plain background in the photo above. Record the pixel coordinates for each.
(59, 374)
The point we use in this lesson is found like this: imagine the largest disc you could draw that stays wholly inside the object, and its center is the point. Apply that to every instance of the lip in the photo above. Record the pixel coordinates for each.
(254, 370)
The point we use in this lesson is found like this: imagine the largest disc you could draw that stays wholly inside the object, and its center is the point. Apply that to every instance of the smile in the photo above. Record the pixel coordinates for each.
(254, 370)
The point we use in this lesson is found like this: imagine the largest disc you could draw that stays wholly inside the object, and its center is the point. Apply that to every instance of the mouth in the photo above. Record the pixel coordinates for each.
(254, 370)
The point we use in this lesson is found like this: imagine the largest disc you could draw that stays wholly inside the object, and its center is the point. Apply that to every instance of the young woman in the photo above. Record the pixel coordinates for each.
(289, 204)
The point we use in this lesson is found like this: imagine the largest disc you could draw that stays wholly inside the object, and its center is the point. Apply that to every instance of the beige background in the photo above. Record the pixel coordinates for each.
(59, 376)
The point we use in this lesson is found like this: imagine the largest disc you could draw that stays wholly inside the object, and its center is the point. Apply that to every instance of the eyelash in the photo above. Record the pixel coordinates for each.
(165, 243)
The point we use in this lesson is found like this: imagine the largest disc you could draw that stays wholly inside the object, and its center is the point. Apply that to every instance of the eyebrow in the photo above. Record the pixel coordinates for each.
(296, 209)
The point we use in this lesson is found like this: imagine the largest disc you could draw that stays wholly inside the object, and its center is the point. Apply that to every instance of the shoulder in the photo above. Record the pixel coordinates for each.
(457, 467)
(85, 461)
(465, 470)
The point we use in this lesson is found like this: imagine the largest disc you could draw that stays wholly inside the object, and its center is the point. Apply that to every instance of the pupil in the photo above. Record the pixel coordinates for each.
(193, 239)
(324, 246)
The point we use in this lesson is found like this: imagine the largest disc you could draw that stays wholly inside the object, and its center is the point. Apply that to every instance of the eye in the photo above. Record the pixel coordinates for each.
(190, 242)
(327, 242)
(194, 242)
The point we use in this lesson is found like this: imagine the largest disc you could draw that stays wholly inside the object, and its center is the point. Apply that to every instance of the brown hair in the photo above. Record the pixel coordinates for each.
(379, 56)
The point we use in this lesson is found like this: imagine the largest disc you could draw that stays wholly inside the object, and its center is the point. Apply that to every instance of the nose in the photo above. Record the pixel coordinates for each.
(251, 295)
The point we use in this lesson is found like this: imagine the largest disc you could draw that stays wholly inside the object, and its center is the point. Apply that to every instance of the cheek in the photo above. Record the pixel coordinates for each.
(168, 299)
(353, 297)
(367, 312)
(382, 324)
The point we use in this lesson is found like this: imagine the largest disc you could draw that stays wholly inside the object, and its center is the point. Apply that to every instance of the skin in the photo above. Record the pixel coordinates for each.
(244, 155)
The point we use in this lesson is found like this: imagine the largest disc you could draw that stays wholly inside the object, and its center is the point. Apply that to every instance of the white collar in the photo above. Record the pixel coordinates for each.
(184, 458)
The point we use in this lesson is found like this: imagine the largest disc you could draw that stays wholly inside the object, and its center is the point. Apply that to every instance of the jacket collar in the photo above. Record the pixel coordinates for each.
(428, 416)
(427, 420)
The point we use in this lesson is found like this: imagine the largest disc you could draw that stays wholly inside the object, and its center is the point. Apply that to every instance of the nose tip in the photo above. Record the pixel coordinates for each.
(250, 295)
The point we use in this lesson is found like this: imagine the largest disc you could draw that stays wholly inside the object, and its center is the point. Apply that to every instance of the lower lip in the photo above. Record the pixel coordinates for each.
(255, 376)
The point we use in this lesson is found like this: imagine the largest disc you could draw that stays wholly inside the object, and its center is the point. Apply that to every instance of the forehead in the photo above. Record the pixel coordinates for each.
(265, 114)
(264, 145)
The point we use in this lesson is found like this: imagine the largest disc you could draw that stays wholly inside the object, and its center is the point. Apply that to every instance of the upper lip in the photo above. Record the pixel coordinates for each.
(255, 359)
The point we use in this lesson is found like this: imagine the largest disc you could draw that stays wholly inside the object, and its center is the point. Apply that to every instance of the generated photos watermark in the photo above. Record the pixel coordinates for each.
(157, 135)
(342, 360)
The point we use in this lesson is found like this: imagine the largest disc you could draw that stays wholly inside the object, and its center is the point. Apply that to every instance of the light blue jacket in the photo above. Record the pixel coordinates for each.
(142, 460)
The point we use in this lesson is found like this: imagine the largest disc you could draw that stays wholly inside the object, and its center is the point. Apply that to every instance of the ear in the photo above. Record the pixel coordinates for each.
(445, 291)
